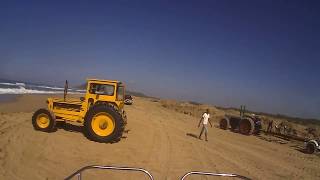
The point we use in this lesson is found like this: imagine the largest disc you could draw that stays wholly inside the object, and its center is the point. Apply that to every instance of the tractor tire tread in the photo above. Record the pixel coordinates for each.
(119, 124)
(52, 119)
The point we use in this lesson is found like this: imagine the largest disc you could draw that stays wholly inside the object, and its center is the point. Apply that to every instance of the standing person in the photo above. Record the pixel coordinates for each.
(205, 119)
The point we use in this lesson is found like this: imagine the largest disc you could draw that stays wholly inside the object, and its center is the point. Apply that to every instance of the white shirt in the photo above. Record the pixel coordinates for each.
(205, 117)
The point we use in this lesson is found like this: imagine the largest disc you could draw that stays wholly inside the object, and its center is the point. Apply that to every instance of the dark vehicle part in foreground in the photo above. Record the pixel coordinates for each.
(312, 146)
(244, 124)
(148, 174)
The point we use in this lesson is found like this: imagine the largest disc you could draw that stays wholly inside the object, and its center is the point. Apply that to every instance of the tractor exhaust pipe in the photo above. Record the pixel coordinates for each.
(65, 90)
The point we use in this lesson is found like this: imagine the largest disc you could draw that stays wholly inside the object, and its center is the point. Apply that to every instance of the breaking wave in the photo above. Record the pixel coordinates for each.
(23, 90)
(10, 87)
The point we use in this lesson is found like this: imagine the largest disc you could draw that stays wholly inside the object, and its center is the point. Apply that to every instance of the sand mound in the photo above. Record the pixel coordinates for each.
(192, 108)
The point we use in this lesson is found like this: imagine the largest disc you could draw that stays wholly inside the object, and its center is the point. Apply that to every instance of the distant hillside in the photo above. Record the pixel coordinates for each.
(138, 94)
(82, 86)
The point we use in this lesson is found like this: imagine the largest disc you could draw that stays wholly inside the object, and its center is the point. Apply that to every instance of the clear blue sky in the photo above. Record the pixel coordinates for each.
(264, 54)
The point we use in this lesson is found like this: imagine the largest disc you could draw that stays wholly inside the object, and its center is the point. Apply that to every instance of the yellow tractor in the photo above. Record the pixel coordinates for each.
(100, 112)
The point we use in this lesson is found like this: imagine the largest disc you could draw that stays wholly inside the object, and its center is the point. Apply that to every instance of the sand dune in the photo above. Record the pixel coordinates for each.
(158, 139)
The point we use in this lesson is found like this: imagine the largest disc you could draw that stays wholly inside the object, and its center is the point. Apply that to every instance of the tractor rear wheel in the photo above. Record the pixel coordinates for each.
(311, 148)
(234, 123)
(103, 124)
(43, 120)
(224, 124)
(246, 126)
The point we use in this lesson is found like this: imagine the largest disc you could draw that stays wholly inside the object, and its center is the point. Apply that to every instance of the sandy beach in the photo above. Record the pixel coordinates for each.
(158, 139)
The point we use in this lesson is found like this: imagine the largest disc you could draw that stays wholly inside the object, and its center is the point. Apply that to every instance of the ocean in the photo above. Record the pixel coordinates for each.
(17, 87)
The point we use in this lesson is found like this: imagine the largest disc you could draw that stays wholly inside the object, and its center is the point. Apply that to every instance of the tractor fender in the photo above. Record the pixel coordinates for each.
(100, 103)
(314, 142)
(106, 103)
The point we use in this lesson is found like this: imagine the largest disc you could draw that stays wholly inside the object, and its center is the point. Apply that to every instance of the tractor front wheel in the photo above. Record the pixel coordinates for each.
(246, 126)
(104, 124)
(43, 120)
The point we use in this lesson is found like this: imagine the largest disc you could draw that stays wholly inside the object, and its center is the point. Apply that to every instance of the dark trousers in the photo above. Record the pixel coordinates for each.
(269, 128)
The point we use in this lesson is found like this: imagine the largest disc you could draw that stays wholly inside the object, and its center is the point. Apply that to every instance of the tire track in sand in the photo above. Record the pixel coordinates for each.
(158, 158)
